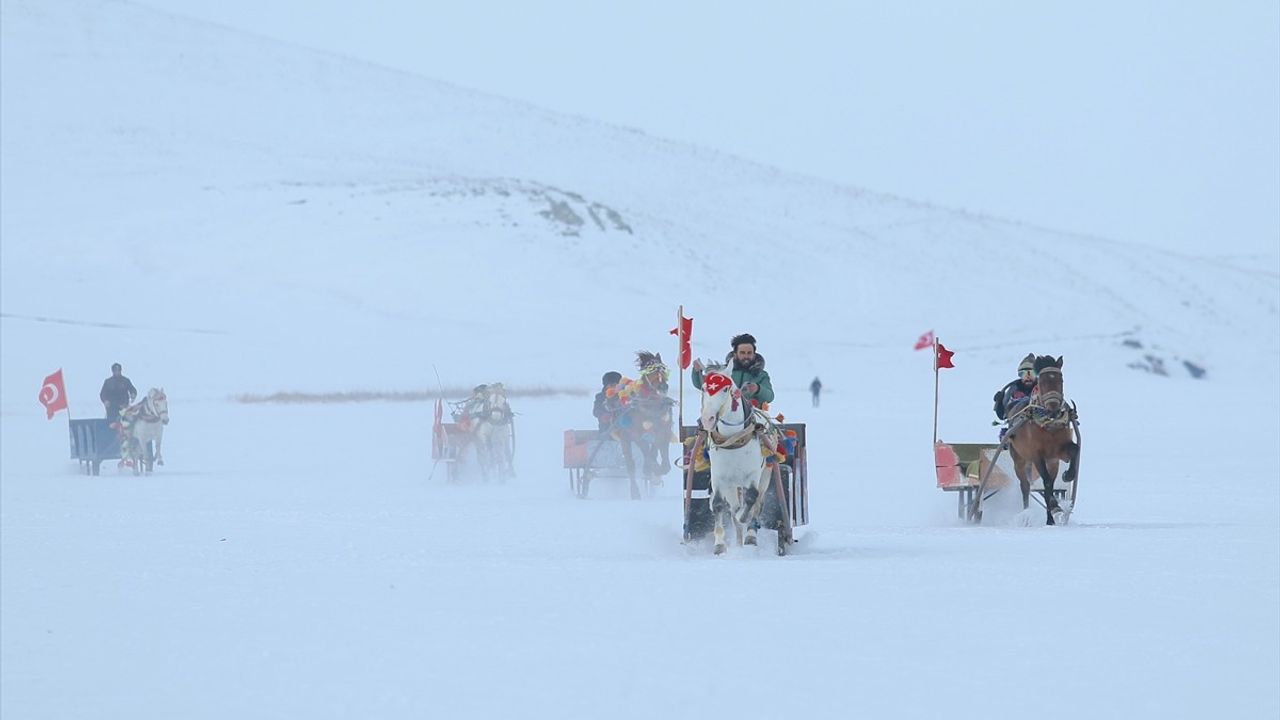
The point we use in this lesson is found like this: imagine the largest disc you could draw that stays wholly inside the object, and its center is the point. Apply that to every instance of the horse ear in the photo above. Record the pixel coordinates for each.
(1059, 361)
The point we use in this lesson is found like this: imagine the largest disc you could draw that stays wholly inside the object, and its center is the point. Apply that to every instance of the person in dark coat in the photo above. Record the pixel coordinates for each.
(606, 405)
(1015, 396)
(815, 387)
(117, 392)
(746, 369)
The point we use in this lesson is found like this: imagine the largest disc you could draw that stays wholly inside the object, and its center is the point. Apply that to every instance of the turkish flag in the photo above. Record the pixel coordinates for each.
(925, 341)
(53, 396)
(684, 331)
(713, 383)
(944, 357)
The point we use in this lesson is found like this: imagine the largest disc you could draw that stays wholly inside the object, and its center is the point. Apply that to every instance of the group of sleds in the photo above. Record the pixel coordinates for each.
(744, 468)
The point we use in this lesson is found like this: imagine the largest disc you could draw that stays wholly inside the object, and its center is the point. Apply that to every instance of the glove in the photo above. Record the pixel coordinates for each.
(750, 388)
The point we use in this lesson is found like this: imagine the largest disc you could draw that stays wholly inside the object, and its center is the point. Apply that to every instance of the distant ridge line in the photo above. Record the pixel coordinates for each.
(357, 396)
(113, 326)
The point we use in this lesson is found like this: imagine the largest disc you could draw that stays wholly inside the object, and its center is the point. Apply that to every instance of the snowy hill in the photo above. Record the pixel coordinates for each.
(355, 207)
(225, 214)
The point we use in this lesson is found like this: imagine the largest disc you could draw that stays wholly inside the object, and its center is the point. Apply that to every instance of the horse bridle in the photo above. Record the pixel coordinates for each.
(149, 413)
(739, 437)
(1052, 394)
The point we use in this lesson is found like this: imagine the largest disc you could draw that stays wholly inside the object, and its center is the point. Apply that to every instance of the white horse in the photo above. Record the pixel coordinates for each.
(739, 475)
(491, 432)
(144, 427)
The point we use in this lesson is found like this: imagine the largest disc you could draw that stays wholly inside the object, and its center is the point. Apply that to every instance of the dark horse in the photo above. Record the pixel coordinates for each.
(645, 421)
(1041, 436)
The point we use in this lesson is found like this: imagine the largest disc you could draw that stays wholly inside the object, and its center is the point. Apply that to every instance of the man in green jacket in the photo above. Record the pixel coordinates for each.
(747, 370)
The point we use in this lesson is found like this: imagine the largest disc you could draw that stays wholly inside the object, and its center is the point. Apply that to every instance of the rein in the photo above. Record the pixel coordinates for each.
(751, 427)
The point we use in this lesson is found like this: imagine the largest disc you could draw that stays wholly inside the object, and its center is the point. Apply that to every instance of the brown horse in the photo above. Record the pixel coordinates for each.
(1041, 436)
(645, 422)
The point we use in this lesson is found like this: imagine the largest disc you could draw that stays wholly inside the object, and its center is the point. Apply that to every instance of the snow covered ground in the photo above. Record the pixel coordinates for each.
(225, 215)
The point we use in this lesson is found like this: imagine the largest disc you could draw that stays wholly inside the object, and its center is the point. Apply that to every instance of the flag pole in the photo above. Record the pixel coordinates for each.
(935, 390)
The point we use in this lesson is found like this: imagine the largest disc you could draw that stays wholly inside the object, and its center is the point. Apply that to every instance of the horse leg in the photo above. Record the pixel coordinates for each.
(747, 516)
(159, 457)
(1020, 468)
(1048, 473)
(1070, 452)
(735, 510)
(719, 509)
(631, 465)
(484, 452)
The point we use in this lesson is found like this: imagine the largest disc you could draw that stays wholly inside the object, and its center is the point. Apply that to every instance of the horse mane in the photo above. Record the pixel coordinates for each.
(1047, 361)
(644, 359)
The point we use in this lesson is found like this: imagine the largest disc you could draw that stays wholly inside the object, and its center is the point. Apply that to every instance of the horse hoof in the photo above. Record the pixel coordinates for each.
(751, 540)
(720, 548)
(782, 548)
(160, 463)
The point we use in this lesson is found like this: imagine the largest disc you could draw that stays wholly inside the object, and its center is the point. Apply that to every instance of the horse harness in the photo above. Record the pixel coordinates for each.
(1037, 412)
(754, 423)
(146, 412)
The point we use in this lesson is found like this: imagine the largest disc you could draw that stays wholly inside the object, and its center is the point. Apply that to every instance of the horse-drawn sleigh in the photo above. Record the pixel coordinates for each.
(635, 439)
(1040, 435)
(483, 428)
(135, 439)
(741, 466)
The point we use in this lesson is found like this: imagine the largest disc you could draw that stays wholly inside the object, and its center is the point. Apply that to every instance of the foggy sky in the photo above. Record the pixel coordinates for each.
(1140, 121)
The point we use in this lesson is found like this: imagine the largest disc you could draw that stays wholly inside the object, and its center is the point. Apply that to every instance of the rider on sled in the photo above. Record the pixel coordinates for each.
(465, 412)
(1014, 397)
(607, 401)
(747, 371)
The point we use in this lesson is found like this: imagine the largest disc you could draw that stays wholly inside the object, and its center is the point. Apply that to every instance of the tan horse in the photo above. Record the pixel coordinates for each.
(1041, 436)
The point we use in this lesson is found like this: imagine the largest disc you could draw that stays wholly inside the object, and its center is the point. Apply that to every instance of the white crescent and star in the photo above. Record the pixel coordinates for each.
(49, 394)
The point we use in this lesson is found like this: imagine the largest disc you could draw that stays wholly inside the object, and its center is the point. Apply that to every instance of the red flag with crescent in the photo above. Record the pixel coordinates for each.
(684, 331)
(944, 357)
(53, 395)
(925, 341)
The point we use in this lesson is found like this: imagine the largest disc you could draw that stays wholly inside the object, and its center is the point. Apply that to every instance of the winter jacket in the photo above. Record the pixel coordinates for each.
(606, 407)
(754, 372)
(117, 393)
(1015, 393)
